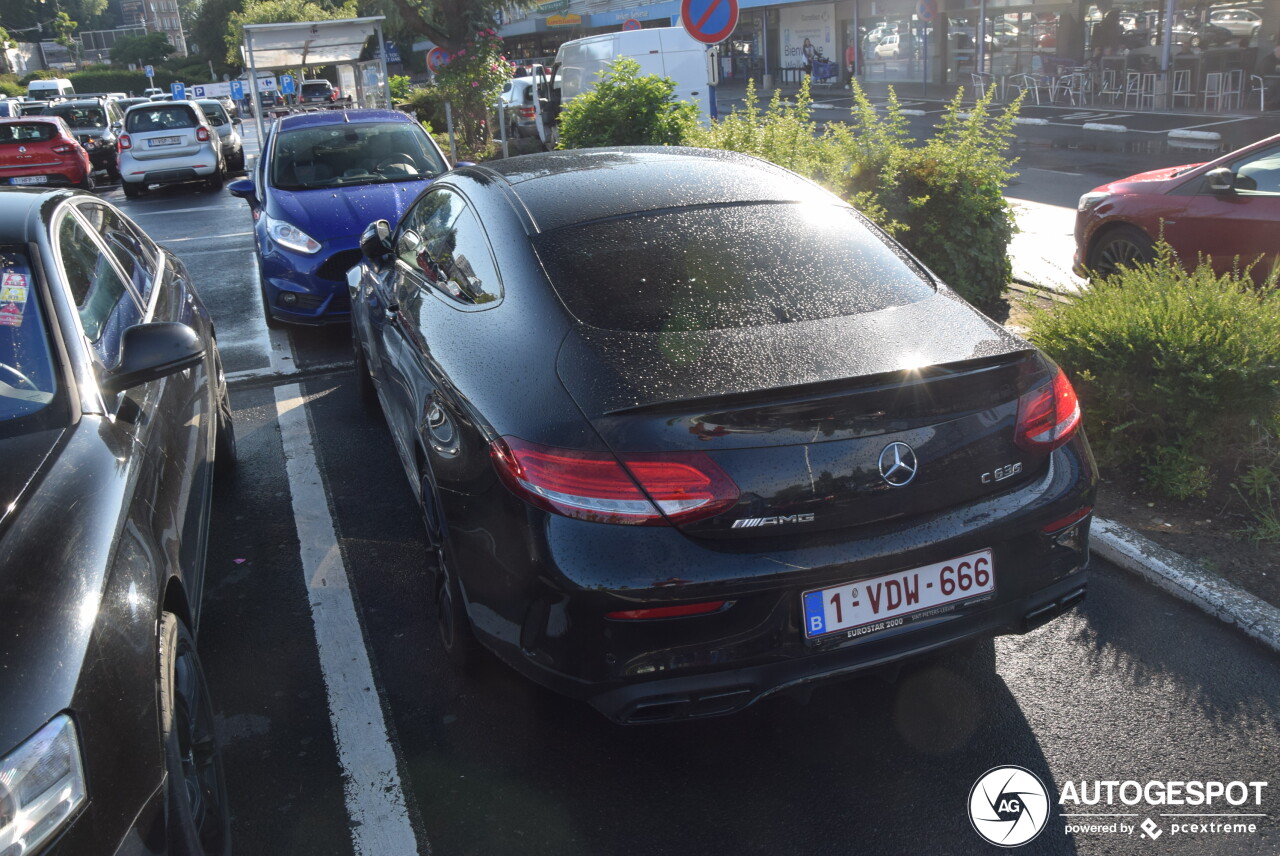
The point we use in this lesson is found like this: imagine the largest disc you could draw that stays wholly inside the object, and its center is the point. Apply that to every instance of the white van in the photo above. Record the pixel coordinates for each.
(53, 89)
(664, 51)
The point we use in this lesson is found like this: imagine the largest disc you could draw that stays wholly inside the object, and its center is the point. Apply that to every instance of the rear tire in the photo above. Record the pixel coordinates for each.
(1120, 247)
(453, 625)
(198, 820)
(214, 182)
(224, 447)
(88, 184)
(132, 191)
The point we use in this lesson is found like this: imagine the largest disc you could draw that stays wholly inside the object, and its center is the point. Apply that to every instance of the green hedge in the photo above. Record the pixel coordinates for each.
(625, 108)
(1177, 370)
(942, 199)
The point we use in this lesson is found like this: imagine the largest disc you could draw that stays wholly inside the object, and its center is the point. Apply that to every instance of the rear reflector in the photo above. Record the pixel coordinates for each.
(677, 486)
(668, 611)
(125, 142)
(1063, 522)
(1047, 415)
(202, 134)
(62, 150)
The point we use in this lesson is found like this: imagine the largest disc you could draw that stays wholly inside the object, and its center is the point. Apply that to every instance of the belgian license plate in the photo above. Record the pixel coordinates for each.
(164, 141)
(29, 179)
(882, 602)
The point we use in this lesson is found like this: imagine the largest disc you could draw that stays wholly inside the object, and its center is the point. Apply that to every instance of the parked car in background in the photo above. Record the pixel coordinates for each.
(95, 123)
(1239, 22)
(228, 133)
(125, 103)
(10, 108)
(268, 98)
(658, 476)
(153, 91)
(1195, 34)
(41, 150)
(317, 92)
(169, 143)
(113, 416)
(1227, 210)
(320, 177)
(517, 100)
(891, 46)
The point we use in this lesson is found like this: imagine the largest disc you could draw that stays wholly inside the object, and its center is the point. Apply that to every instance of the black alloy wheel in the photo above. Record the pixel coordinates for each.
(1120, 247)
(224, 449)
(452, 622)
(199, 823)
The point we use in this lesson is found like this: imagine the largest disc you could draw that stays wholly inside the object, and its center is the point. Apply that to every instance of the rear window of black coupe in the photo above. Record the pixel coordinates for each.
(717, 267)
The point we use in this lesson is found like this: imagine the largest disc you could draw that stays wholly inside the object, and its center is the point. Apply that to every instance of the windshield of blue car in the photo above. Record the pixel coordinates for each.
(344, 154)
(28, 382)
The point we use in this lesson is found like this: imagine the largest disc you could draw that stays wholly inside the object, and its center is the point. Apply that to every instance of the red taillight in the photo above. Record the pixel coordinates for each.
(1070, 520)
(677, 486)
(125, 142)
(528, 113)
(202, 134)
(63, 150)
(668, 611)
(1047, 415)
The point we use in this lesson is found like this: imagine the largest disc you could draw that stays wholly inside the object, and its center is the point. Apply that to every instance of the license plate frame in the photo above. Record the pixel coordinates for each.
(863, 604)
(29, 179)
(156, 142)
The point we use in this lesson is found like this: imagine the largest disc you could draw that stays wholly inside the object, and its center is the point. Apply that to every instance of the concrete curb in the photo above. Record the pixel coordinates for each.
(1187, 581)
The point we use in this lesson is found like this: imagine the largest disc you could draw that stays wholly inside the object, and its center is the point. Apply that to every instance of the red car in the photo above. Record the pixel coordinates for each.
(41, 150)
(1226, 209)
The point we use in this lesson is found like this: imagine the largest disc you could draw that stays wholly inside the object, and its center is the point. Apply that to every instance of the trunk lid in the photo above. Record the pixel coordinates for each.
(805, 417)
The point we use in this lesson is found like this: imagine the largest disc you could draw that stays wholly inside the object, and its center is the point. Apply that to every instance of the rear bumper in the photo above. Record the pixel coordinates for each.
(539, 598)
(169, 175)
(729, 691)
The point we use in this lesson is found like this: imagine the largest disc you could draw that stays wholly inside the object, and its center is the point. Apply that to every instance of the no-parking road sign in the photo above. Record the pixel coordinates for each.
(709, 21)
(437, 58)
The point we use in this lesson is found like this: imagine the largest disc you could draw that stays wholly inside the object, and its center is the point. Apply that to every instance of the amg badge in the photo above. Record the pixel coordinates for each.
(748, 522)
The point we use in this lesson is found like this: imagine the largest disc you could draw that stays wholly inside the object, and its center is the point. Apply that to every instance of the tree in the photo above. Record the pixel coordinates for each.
(63, 27)
(152, 49)
(451, 24)
(279, 12)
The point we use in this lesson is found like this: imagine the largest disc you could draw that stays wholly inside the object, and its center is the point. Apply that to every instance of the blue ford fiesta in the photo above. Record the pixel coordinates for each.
(321, 179)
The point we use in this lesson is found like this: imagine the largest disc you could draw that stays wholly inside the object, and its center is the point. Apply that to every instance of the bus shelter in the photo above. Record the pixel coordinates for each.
(271, 47)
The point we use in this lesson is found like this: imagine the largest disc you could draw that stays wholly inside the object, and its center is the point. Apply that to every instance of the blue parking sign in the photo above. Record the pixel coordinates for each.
(237, 90)
(179, 91)
(286, 84)
(149, 70)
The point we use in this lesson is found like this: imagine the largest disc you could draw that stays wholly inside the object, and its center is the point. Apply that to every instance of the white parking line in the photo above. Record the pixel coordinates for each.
(204, 237)
(376, 807)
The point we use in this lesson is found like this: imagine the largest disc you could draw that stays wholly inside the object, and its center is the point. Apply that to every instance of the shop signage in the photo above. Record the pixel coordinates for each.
(564, 21)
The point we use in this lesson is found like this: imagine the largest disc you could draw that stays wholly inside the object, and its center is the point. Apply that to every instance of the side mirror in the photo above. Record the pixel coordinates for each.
(150, 351)
(1220, 180)
(243, 188)
(375, 241)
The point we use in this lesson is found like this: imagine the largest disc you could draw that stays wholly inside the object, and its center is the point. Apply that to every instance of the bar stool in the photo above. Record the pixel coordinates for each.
(1214, 89)
(1182, 86)
(1233, 88)
(1110, 86)
(1147, 89)
(1132, 87)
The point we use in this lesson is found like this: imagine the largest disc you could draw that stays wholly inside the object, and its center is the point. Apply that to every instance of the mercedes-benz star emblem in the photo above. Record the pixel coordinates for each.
(897, 464)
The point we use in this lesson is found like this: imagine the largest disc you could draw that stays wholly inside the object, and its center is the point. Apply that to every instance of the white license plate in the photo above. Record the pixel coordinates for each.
(164, 141)
(29, 179)
(879, 603)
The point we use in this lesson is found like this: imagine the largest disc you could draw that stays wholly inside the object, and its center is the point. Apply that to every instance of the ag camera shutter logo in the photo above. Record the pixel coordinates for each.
(1008, 806)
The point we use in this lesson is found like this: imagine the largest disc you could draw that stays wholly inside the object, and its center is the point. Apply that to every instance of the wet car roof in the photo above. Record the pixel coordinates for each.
(643, 179)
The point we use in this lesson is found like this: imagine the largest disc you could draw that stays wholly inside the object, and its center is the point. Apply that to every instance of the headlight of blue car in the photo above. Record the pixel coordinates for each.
(41, 786)
(291, 237)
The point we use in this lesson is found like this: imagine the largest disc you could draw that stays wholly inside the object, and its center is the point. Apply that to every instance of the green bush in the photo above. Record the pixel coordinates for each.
(1172, 366)
(944, 199)
(625, 108)
(10, 86)
(115, 80)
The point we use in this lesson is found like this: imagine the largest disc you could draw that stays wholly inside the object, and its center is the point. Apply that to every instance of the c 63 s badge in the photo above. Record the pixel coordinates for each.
(1002, 473)
(749, 522)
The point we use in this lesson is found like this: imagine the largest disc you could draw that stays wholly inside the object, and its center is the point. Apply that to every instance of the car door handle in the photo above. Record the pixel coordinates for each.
(392, 310)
